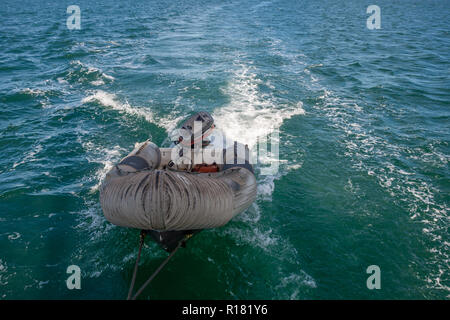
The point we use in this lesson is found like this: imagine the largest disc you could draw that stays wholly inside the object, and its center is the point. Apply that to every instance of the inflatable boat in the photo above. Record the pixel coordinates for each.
(199, 181)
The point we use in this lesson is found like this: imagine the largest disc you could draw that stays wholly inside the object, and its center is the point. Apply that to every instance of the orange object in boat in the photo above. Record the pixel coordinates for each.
(205, 168)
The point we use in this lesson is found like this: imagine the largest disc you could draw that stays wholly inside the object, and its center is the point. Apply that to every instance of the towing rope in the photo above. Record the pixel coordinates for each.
(141, 243)
(133, 279)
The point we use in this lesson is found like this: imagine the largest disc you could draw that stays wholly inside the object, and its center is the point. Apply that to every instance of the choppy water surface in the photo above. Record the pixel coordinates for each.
(363, 118)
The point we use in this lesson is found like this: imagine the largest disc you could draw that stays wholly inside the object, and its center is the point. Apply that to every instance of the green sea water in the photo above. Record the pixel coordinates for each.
(363, 121)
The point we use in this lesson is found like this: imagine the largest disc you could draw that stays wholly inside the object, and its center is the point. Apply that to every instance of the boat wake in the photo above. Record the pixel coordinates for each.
(251, 115)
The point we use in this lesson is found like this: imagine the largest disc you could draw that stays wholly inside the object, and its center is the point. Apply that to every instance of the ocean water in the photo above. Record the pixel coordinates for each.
(363, 121)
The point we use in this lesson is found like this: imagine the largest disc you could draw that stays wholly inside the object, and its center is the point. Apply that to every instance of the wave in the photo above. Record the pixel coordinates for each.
(110, 100)
(30, 156)
(83, 73)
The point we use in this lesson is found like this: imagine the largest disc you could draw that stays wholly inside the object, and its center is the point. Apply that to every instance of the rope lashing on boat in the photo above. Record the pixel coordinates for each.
(141, 243)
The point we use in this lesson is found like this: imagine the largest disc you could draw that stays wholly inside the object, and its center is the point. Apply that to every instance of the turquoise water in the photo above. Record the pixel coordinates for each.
(363, 119)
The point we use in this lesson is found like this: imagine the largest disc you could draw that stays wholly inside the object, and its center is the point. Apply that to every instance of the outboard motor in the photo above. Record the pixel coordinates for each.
(187, 135)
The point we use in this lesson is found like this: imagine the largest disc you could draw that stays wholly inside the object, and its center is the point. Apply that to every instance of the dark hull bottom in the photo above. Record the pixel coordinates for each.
(169, 240)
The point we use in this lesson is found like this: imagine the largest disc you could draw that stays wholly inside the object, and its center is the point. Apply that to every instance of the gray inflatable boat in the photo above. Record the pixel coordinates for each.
(198, 182)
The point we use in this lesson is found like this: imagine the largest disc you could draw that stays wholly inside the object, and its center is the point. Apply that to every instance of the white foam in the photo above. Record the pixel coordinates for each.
(93, 222)
(277, 249)
(110, 100)
(294, 166)
(62, 80)
(2, 266)
(251, 215)
(295, 281)
(4, 275)
(98, 82)
(34, 92)
(87, 69)
(14, 236)
(408, 188)
(29, 157)
(266, 184)
(251, 114)
(107, 157)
